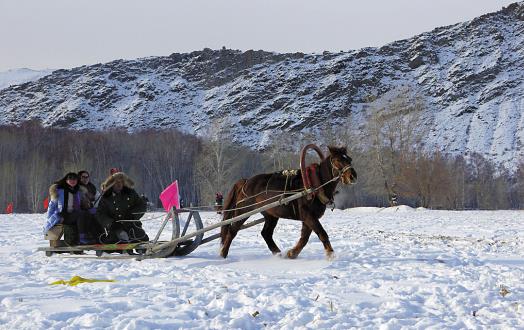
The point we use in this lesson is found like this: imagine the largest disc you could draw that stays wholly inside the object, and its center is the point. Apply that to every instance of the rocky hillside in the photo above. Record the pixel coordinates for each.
(470, 74)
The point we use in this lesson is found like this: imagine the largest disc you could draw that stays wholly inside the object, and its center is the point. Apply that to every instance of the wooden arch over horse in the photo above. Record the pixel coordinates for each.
(262, 189)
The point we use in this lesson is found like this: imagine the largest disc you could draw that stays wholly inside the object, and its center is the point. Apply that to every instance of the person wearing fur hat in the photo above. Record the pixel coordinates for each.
(65, 207)
(112, 171)
(119, 210)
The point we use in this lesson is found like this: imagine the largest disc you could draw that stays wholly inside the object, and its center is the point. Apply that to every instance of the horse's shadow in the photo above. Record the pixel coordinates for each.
(204, 259)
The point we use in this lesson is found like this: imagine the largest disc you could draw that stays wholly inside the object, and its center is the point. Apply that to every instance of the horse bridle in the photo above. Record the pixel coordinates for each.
(340, 172)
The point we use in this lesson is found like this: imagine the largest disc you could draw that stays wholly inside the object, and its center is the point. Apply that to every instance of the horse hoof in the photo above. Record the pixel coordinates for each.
(330, 256)
(291, 255)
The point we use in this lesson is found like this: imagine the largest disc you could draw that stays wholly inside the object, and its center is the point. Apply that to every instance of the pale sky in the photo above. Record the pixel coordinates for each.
(55, 34)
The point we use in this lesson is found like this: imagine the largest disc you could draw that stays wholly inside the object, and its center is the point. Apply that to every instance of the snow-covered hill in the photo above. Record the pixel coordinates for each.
(470, 74)
(405, 268)
(20, 76)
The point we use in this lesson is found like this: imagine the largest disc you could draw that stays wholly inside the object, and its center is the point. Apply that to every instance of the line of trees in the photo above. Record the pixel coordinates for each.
(33, 157)
(399, 169)
(391, 168)
(436, 181)
(389, 175)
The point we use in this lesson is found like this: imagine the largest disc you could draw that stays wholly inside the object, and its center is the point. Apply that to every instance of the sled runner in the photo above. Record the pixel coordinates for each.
(143, 249)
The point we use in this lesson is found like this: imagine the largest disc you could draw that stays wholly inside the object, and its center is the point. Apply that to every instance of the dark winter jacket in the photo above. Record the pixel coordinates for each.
(125, 205)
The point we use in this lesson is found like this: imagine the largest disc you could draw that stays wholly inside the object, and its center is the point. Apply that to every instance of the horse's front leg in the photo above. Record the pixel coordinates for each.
(229, 236)
(226, 243)
(315, 225)
(304, 237)
(267, 232)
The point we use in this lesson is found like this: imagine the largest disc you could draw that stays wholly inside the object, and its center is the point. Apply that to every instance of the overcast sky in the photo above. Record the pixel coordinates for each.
(56, 34)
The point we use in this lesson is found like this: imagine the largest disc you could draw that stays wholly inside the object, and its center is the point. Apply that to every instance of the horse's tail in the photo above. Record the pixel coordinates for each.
(229, 205)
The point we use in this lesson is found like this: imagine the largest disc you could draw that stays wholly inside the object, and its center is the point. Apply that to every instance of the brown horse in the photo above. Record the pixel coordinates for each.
(249, 194)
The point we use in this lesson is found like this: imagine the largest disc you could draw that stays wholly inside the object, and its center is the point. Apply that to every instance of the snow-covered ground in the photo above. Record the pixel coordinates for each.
(394, 268)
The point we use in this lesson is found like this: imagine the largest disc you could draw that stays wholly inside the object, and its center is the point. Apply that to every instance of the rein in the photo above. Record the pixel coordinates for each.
(281, 195)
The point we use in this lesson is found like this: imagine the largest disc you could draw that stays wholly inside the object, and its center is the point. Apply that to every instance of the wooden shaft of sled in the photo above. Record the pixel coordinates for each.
(252, 223)
(247, 225)
(230, 221)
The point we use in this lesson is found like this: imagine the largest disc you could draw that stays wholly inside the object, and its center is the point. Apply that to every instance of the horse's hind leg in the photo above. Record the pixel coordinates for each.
(267, 232)
(304, 237)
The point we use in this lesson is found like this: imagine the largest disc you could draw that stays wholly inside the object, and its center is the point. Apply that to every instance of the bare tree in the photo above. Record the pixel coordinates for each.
(425, 178)
(394, 131)
(216, 162)
(37, 182)
(282, 152)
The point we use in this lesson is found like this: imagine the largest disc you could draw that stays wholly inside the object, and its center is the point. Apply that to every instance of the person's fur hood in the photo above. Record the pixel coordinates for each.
(108, 183)
(53, 191)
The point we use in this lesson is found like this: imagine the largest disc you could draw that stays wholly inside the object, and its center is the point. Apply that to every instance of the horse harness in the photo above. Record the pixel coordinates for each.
(312, 180)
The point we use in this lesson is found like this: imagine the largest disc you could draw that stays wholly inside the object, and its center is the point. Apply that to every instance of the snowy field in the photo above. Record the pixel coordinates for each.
(394, 268)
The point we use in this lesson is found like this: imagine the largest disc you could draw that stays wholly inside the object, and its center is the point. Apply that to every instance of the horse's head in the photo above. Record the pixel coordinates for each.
(341, 165)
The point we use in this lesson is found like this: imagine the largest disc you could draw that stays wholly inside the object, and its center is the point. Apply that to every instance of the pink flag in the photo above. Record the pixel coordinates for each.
(170, 197)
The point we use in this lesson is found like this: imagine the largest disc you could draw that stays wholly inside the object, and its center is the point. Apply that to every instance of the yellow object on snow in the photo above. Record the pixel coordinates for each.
(75, 280)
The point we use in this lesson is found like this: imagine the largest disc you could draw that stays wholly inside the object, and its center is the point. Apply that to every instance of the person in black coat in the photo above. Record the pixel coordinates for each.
(120, 209)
